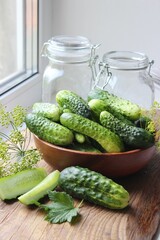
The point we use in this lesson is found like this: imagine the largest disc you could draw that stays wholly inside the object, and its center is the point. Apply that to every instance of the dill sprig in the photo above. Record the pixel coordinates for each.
(154, 124)
(15, 154)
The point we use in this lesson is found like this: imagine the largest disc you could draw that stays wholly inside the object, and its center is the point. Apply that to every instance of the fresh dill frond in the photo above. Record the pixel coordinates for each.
(153, 123)
(15, 154)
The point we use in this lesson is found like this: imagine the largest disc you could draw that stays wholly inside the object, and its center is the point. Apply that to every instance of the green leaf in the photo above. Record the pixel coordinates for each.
(61, 209)
(60, 216)
(62, 198)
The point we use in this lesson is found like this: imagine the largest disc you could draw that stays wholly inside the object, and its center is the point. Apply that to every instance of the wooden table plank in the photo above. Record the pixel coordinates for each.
(139, 221)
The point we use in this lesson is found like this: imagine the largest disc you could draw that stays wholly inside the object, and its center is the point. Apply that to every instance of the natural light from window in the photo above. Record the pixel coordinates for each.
(18, 42)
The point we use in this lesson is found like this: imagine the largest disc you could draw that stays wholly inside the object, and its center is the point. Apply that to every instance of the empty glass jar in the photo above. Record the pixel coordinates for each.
(127, 75)
(68, 66)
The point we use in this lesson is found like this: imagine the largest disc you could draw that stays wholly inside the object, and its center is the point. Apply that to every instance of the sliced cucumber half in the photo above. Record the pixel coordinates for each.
(20, 183)
(39, 191)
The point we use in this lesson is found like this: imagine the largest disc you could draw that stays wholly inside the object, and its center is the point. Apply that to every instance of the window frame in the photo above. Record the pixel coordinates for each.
(29, 91)
(17, 75)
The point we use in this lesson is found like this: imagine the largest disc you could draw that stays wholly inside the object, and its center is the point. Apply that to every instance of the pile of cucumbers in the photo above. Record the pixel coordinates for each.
(103, 123)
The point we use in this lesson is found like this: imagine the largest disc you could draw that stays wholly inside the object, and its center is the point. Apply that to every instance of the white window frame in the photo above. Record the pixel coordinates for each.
(28, 92)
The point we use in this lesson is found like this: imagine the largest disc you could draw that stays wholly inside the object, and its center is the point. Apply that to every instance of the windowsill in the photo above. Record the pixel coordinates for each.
(24, 94)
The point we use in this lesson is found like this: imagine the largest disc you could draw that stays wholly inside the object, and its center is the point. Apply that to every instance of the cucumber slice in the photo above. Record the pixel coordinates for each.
(21, 182)
(39, 191)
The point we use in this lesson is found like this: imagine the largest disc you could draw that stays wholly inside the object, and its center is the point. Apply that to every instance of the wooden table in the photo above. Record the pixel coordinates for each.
(139, 221)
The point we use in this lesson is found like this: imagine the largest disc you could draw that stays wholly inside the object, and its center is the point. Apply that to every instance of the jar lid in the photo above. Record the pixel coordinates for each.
(126, 60)
(65, 43)
(68, 49)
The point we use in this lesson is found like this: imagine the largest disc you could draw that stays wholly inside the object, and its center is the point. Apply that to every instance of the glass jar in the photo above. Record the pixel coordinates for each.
(68, 66)
(128, 76)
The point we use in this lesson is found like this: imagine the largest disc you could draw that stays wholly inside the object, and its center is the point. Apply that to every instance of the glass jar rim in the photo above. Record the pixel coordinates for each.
(126, 60)
(68, 43)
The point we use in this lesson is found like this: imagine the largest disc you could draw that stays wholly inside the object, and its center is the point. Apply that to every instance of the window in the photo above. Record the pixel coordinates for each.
(24, 26)
(18, 47)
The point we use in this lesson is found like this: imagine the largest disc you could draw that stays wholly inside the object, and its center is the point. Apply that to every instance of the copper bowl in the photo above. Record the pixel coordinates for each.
(109, 164)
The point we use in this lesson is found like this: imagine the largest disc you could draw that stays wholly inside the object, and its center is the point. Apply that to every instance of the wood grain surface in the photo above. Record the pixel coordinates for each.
(139, 221)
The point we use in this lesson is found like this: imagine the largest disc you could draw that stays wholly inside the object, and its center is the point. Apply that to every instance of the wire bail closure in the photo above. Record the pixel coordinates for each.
(93, 61)
(150, 66)
(102, 71)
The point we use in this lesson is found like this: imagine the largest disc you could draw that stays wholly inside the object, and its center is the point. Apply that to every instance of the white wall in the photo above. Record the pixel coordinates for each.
(116, 24)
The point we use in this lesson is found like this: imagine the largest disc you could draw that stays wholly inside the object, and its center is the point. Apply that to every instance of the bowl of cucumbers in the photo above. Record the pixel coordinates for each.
(106, 133)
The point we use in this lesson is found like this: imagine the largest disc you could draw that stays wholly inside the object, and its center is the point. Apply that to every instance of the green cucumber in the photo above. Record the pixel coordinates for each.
(70, 100)
(98, 105)
(49, 131)
(48, 110)
(80, 138)
(131, 135)
(21, 182)
(39, 191)
(130, 110)
(94, 187)
(107, 139)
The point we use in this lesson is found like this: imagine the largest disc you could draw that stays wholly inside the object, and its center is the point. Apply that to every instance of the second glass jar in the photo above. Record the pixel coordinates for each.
(129, 77)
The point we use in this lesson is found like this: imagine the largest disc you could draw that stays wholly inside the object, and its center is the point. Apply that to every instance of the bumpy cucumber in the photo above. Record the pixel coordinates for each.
(131, 135)
(107, 139)
(125, 107)
(93, 187)
(48, 110)
(98, 105)
(40, 190)
(49, 131)
(21, 182)
(70, 100)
